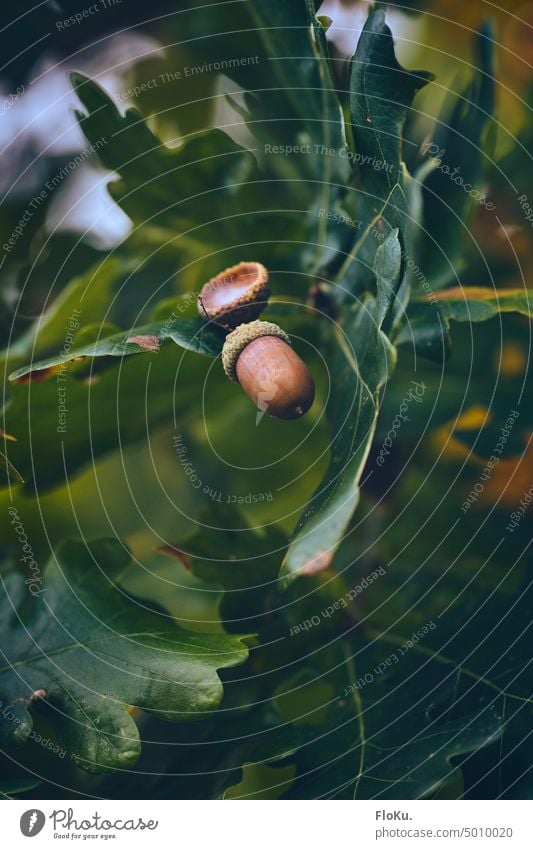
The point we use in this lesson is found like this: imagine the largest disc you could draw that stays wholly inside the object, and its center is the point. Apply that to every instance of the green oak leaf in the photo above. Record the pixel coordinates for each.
(50, 449)
(156, 180)
(384, 734)
(305, 85)
(77, 317)
(239, 560)
(204, 762)
(192, 334)
(381, 94)
(362, 361)
(119, 291)
(82, 651)
(294, 113)
(428, 319)
(84, 300)
(479, 303)
(458, 147)
(473, 585)
(208, 192)
(429, 671)
(446, 395)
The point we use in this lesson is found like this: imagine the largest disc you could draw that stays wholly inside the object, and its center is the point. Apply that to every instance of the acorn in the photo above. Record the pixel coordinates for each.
(236, 295)
(259, 356)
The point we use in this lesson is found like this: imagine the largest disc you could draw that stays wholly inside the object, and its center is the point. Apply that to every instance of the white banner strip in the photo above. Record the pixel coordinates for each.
(309, 824)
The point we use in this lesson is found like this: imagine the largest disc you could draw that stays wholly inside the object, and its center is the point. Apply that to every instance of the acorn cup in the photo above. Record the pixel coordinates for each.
(259, 356)
(236, 295)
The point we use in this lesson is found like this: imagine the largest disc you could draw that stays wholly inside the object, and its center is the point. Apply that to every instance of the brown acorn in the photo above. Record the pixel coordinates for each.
(259, 356)
(236, 295)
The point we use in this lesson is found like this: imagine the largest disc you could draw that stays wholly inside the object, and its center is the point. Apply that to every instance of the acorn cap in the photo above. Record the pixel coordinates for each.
(238, 294)
(238, 339)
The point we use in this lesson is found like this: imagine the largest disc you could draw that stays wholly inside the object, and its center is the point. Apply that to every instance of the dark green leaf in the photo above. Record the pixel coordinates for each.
(85, 300)
(51, 448)
(384, 736)
(446, 396)
(291, 104)
(458, 147)
(428, 319)
(193, 334)
(478, 303)
(208, 192)
(381, 93)
(242, 562)
(303, 86)
(362, 361)
(82, 651)
(16, 786)
(205, 767)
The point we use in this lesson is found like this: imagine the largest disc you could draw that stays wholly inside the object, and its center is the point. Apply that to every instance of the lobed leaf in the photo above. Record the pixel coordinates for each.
(361, 363)
(378, 739)
(192, 334)
(381, 94)
(428, 319)
(457, 146)
(82, 652)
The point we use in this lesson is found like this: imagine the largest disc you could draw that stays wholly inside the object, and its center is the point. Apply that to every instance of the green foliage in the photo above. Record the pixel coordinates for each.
(372, 744)
(197, 199)
(191, 334)
(8, 789)
(362, 362)
(458, 146)
(428, 326)
(381, 94)
(86, 652)
(379, 613)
